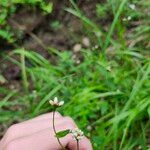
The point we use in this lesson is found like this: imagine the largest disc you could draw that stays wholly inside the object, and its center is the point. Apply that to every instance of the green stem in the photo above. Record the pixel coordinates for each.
(56, 132)
(23, 69)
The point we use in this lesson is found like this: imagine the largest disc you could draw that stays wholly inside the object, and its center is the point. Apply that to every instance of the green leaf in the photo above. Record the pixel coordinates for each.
(7, 35)
(47, 8)
(62, 133)
(148, 110)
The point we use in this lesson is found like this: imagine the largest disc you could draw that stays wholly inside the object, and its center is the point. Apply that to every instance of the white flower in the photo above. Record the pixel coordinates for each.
(77, 134)
(78, 61)
(96, 46)
(127, 19)
(132, 6)
(55, 102)
(89, 127)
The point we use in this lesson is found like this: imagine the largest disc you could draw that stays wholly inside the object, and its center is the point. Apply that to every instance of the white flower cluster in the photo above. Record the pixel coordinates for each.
(127, 19)
(56, 102)
(77, 134)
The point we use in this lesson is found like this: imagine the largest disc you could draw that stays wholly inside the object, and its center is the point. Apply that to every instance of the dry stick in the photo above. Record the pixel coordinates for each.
(56, 132)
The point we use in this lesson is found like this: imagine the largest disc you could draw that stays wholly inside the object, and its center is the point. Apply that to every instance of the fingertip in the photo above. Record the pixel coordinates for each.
(84, 144)
(69, 120)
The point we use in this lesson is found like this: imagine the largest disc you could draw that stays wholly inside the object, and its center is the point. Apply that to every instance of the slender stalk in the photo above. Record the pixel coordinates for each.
(56, 132)
(23, 68)
(77, 144)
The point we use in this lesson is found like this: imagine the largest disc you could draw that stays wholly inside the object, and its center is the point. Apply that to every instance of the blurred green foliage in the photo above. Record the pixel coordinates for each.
(106, 92)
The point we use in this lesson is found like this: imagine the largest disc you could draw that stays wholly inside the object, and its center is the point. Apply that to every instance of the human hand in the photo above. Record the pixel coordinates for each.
(38, 134)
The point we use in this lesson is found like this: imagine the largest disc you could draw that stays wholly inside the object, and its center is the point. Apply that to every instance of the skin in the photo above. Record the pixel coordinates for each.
(37, 134)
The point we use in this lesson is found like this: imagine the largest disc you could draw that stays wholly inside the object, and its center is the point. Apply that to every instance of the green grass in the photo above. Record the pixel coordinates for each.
(109, 89)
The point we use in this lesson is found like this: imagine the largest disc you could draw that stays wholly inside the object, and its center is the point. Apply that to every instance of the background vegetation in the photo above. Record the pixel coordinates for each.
(93, 55)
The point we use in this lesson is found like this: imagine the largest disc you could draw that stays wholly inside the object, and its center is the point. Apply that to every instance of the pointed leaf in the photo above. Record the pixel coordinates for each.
(62, 133)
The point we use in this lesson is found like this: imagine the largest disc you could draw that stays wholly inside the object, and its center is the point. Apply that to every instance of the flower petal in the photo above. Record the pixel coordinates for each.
(61, 103)
(51, 102)
(56, 100)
